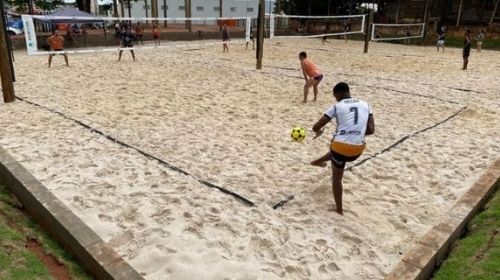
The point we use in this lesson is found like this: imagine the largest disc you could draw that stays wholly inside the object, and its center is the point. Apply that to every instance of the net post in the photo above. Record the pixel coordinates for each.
(271, 26)
(7, 69)
(248, 27)
(260, 33)
(369, 29)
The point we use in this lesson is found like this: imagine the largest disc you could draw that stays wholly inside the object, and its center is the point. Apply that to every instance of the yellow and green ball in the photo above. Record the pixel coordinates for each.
(298, 134)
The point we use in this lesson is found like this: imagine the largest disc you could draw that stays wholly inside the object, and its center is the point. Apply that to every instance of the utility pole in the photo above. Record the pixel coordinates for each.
(6, 67)
(260, 32)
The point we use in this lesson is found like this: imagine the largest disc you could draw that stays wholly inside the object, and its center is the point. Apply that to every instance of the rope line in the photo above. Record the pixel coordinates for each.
(146, 154)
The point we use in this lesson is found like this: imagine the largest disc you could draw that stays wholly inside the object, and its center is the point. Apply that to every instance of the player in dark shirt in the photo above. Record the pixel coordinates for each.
(467, 47)
(126, 41)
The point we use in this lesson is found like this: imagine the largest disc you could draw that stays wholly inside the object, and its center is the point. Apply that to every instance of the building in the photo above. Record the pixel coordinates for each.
(199, 8)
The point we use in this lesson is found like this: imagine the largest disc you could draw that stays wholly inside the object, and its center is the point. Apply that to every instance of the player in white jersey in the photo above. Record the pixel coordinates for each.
(354, 120)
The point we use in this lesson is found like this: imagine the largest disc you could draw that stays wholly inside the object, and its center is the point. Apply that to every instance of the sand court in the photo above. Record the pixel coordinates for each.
(215, 117)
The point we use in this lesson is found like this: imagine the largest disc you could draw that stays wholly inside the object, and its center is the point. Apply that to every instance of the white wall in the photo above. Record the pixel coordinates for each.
(207, 6)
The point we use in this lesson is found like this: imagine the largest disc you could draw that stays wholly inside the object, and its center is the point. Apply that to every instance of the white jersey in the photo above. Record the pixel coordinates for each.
(352, 119)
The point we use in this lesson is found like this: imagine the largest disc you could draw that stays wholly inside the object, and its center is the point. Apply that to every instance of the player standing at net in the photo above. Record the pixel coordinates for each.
(354, 121)
(467, 47)
(139, 31)
(225, 38)
(441, 37)
(156, 33)
(480, 39)
(127, 41)
(312, 75)
(56, 44)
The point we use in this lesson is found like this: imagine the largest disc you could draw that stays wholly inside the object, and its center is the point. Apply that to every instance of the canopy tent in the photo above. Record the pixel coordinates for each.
(68, 13)
(67, 17)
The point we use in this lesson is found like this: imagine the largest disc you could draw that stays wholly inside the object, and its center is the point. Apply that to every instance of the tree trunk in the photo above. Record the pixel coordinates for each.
(426, 18)
(122, 8)
(154, 8)
(397, 12)
(494, 12)
(129, 3)
(460, 12)
(187, 13)
(165, 12)
(115, 8)
(220, 8)
(147, 13)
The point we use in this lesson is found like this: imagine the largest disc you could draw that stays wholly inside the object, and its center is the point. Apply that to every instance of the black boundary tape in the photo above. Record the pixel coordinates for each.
(286, 200)
(121, 143)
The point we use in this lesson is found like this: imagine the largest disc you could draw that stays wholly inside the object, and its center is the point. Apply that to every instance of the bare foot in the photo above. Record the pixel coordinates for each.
(318, 163)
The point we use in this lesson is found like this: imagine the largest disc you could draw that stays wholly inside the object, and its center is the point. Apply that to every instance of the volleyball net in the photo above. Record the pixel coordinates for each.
(292, 26)
(105, 34)
(397, 32)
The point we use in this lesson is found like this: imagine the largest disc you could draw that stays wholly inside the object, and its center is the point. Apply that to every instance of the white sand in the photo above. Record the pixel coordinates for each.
(214, 116)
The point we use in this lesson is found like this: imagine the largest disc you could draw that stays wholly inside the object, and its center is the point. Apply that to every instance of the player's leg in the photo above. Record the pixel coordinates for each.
(321, 162)
(315, 87)
(307, 85)
(337, 188)
(133, 55)
(253, 44)
(120, 55)
(50, 59)
(66, 59)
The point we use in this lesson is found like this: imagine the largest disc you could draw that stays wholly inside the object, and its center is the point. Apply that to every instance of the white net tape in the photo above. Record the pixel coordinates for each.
(393, 32)
(101, 35)
(292, 26)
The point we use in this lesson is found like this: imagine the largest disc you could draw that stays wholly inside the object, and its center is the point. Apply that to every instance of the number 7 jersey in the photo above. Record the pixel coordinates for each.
(351, 115)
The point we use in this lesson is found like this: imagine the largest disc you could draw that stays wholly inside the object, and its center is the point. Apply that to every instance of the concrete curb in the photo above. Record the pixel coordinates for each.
(420, 261)
(62, 224)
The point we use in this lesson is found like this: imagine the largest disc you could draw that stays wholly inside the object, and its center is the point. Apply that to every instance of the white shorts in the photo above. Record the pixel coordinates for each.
(440, 42)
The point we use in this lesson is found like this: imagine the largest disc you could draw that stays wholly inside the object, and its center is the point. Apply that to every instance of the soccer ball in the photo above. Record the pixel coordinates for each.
(298, 134)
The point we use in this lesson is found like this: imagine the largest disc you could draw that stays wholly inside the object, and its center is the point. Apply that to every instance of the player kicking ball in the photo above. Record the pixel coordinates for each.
(354, 121)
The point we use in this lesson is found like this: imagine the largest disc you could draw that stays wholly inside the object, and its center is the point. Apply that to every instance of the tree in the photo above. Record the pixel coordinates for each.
(494, 12)
(84, 5)
(22, 6)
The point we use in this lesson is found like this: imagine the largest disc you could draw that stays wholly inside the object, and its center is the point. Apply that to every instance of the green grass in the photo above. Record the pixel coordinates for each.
(477, 255)
(16, 261)
(458, 42)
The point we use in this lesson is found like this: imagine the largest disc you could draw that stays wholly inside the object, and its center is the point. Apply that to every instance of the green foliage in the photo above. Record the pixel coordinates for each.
(477, 256)
(20, 263)
(21, 6)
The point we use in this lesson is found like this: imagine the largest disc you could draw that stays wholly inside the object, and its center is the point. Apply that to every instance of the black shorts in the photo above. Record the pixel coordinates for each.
(318, 78)
(339, 160)
(466, 52)
(128, 46)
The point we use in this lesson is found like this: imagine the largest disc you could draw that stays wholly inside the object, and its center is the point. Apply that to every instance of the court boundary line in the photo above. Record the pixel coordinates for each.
(146, 154)
(392, 146)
